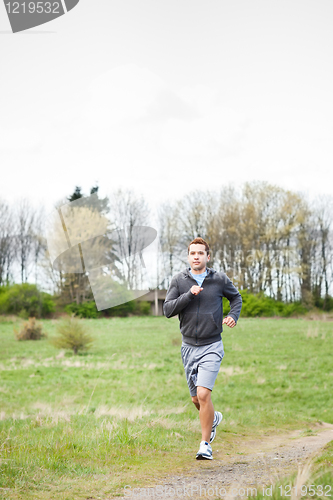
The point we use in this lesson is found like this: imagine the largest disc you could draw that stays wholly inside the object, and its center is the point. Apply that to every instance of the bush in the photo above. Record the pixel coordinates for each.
(26, 301)
(89, 309)
(122, 310)
(142, 308)
(134, 307)
(72, 335)
(31, 330)
(325, 303)
(261, 305)
(85, 310)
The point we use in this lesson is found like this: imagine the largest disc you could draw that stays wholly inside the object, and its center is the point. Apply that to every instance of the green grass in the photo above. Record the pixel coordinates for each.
(84, 426)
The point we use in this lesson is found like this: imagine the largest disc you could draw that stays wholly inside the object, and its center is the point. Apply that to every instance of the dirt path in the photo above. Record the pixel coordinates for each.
(250, 464)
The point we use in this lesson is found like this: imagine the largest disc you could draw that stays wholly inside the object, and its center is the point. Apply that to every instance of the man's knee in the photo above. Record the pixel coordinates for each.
(203, 394)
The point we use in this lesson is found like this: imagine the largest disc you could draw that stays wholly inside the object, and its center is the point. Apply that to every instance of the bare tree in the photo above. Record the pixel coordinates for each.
(39, 244)
(169, 236)
(7, 243)
(322, 278)
(196, 217)
(227, 233)
(25, 216)
(127, 211)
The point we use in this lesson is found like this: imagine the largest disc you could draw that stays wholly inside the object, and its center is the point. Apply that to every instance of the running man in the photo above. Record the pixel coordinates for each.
(195, 294)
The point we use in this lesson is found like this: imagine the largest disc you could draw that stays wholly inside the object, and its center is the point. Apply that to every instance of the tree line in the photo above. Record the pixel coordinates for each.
(266, 238)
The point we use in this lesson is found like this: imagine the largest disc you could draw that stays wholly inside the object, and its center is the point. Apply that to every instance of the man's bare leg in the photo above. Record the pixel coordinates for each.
(205, 406)
(196, 402)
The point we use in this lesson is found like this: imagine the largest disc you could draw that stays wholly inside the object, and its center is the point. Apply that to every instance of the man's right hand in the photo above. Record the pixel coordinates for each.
(196, 289)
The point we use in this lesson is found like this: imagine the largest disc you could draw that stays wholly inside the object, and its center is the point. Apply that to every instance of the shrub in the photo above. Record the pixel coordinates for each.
(324, 303)
(3, 289)
(89, 309)
(133, 307)
(26, 301)
(261, 305)
(31, 330)
(72, 334)
(121, 310)
(85, 310)
(142, 308)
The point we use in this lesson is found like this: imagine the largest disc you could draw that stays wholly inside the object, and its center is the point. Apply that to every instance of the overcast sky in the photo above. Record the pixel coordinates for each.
(167, 97)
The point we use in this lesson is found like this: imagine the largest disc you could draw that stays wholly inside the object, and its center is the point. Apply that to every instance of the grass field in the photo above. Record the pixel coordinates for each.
(84, 426)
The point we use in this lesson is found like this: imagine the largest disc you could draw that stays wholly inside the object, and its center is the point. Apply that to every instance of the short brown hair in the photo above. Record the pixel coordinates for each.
(198, 241)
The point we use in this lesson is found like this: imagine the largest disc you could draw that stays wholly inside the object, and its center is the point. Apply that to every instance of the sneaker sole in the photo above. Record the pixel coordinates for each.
(203, 457)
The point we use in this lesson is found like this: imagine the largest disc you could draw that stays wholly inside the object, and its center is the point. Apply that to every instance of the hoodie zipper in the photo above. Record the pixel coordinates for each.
(196, 328)
(196, 331)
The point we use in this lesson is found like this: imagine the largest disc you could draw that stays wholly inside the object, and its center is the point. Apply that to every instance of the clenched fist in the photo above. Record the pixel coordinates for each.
(196, 289)
(229, 321)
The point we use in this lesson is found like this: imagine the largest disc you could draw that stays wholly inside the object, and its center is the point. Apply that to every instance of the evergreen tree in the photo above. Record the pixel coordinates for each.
(76, 195)
(76, 286)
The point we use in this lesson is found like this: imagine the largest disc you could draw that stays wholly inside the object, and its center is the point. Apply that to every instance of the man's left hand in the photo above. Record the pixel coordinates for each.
(229, 321)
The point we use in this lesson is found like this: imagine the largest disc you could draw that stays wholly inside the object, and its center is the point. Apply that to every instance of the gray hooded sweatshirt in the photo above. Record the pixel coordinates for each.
(200, 316)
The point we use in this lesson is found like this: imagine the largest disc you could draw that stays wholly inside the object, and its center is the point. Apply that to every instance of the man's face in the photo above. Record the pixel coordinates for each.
(198, 258)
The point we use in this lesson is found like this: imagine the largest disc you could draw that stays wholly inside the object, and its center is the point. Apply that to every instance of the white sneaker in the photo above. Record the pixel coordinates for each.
(205, 451)
(217, 420)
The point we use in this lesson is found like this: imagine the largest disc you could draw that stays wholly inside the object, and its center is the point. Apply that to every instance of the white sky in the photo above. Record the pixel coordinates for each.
(167, 97)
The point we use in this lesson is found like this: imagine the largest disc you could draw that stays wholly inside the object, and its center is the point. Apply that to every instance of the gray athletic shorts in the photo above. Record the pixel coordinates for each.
(201, 364)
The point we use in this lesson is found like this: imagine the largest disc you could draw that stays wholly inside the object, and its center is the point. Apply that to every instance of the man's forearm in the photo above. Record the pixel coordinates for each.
(235, 307)
(173, 306)
(234, 297)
